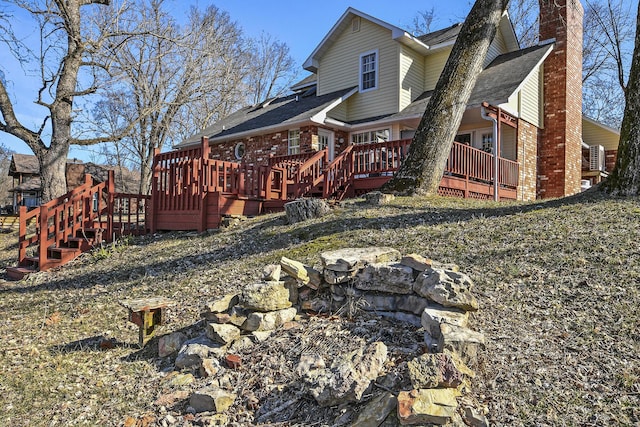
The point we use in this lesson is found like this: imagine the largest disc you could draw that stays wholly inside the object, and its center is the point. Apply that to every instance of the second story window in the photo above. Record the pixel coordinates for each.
(368, 71)
(294, 142)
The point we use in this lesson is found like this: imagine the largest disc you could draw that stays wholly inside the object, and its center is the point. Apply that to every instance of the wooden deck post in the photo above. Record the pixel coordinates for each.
(22, 227)
(111, 190)
(202, 190)
(152, 208)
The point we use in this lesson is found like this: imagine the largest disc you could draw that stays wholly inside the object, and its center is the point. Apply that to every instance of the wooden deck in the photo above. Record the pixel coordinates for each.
(193, 192)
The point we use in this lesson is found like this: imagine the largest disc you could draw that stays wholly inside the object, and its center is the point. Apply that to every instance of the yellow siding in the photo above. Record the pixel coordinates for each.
(508, 142)
(339, 68)
(411, 76)
(339, 113)
(531, 98)
(497, 47)
(593, 134)
(513, 104)
(433, 66)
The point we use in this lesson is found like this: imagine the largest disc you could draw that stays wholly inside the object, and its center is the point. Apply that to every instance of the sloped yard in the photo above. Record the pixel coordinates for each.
(558, 283)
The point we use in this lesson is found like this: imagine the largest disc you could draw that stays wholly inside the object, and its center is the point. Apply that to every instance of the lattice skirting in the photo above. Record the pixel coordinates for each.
(450, 192)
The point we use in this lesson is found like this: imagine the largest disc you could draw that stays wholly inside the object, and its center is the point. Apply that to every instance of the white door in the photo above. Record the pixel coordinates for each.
(325, 139)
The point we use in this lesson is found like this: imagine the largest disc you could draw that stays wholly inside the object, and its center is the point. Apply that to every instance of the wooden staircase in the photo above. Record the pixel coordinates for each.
(57, 232)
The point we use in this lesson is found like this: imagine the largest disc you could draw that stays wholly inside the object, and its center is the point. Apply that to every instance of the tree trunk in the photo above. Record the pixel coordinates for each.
(53, 170)
(625, 178)
(422, 171)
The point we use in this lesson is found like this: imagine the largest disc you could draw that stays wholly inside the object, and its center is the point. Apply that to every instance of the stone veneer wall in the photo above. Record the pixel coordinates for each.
(259, 148)
(560, 153)
(527, 158)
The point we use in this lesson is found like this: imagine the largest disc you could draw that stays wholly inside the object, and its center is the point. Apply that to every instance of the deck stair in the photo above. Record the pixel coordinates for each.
(59, 231)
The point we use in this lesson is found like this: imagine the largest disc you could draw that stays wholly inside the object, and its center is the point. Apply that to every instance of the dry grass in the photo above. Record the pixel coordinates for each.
(559, 285)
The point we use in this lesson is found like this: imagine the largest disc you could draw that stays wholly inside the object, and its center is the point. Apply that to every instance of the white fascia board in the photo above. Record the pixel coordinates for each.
(437, 47)
(321, 116)
(407, 39)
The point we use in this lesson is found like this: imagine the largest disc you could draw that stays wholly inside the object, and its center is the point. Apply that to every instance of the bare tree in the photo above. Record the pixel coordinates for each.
(422, 21)
(524, 16)
(5, 180)
(608, 35)
(625, 178)
(422, 171)
(162, 77)
(272, 72)
(65, 54)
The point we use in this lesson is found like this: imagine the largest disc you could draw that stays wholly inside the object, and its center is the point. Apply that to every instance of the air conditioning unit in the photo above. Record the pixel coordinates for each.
(596, 158)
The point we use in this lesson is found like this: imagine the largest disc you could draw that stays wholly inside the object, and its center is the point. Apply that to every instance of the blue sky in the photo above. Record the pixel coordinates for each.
(302, 25)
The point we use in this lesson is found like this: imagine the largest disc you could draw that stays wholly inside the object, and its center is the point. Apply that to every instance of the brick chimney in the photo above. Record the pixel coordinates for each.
(560, 142)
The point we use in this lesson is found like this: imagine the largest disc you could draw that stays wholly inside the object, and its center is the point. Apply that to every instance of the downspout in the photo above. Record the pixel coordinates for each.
(496, 163)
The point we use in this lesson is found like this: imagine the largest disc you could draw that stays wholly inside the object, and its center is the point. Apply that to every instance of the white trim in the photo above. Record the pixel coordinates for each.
(376, 70)
(331, 145)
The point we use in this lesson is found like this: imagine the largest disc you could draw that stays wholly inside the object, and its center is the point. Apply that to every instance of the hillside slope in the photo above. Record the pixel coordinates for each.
(558, 283)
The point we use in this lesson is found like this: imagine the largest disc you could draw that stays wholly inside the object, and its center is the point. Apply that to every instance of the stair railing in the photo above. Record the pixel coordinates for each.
(338, 175)
(53, 223)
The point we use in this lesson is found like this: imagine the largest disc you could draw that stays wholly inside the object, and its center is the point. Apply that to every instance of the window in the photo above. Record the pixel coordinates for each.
(380, 135)
(463, 138)
(293, 142)
(487, 142)
(239, 150)
(368, 71)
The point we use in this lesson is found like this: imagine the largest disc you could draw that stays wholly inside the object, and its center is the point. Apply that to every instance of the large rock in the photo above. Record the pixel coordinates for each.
(378, 198)
(170, 344)
(434, 315)
(271, 273)
(195, 350)
(222, 333)
(427, 406)
(222, 304)
(432, 370)
(446, 287)
(258, 321)
(211, 399)
(412, 304)
(348, 377)
(304, 274)
(416, 262)
(267, 296)
(304, 209)
(376, 411)
(461, 340)
(390, 278)
(349, 259)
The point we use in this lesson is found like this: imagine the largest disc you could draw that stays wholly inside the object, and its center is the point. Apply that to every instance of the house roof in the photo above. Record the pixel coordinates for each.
(501, 79)
(24, 164)
(276, 113)
(441, 36)
(31, 184)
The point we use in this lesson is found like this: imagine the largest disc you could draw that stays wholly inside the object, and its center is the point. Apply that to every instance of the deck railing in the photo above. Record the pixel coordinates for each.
(309, 174)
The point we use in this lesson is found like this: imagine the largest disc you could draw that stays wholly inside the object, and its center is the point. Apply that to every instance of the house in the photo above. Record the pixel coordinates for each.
(27, 187)
(370, 82)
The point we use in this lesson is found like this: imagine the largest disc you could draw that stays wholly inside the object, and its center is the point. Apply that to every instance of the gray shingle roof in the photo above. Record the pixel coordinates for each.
(441, 36)
(290, 109)
(24, 164)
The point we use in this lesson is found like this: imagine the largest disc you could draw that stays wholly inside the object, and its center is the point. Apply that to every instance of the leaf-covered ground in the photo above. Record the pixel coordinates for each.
(558, 283)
